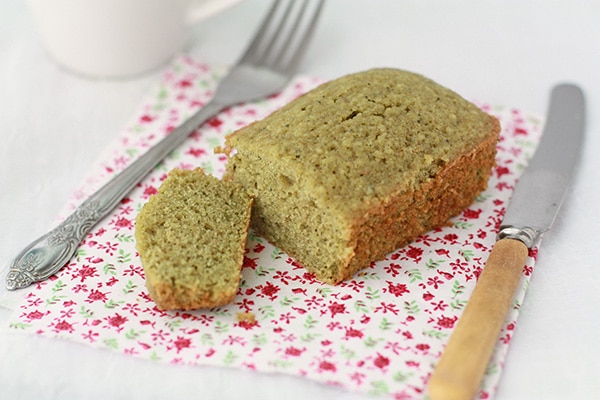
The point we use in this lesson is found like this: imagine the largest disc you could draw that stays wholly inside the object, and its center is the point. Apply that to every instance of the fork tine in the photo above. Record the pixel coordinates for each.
(252, 51)
(303, 44)
(279, 43)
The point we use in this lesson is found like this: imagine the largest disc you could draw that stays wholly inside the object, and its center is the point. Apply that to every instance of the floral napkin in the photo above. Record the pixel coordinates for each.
(381, 332)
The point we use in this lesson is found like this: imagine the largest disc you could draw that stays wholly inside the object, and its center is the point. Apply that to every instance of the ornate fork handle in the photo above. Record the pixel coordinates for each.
(49, 253)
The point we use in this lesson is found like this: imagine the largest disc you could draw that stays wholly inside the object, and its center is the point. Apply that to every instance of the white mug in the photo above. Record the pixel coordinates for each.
(117, 38)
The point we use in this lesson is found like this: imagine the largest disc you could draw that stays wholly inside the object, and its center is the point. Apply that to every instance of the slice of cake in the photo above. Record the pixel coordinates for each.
(191, 237)
(361, 166)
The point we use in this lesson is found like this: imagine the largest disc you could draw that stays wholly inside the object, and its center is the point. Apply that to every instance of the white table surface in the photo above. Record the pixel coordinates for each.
(54, 124)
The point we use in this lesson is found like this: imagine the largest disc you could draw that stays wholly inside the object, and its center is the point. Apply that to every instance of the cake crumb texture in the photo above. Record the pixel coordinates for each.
(361, 166)
(191, 238)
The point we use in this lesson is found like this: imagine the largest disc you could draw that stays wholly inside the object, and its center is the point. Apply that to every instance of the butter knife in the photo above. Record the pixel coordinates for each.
(531, 212)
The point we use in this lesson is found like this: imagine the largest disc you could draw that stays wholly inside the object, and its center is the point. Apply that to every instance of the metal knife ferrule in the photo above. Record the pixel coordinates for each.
(527, 235)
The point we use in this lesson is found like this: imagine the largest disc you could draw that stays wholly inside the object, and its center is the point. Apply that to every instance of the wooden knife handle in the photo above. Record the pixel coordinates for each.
(459, 372)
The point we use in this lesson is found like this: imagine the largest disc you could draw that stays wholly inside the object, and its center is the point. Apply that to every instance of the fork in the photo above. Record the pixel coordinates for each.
(265, 68)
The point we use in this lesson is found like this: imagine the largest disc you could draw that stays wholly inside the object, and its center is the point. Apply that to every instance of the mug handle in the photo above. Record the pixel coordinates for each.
(202, 9)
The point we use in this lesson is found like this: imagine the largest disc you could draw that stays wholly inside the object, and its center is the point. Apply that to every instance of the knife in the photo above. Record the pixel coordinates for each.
(533, 207)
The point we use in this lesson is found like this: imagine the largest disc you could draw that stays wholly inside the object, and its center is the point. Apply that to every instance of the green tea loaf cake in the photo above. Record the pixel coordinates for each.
(361, 166)
(191, 238)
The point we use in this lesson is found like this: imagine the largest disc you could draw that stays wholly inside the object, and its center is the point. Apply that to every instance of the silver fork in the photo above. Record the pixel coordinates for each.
(265, 68)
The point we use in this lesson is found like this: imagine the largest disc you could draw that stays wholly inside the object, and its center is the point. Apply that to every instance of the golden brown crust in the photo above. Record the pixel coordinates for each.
(409, 215)
(361, 166)
(191, 239)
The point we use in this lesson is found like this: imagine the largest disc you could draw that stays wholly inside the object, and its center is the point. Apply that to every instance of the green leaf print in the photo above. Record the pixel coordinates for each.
(123, 238)
(372, 342)
(310, 322)
(280, 363)
(220, 327)
(467, 254)
(276, 254)
(347, 353)
(457, 289)
(414, 275)
(412, 307)
(207, 339)
(129, 287)
(385, 325)
(462, 225)
(123, 257)
(435, 334)
(80, 253)
(372, 294)
(59, 286)
(433, 264)
(110, 304)
(458, 304)
(402, 377)
(109, 269)
(379, 387)
(229, 358)
(286, 302)
(113, 343)
(86, 312)
(266, 311)
(360, 306)
(324, 291)
(259, 340)
(132, 334)
(19, 325)
(309, 337)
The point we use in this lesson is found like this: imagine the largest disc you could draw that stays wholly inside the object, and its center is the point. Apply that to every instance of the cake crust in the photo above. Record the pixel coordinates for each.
(191, 238)
(361, 166)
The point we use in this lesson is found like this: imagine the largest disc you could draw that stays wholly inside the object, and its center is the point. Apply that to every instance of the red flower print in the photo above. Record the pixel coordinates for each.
(520, 131)
(392, 269)
(327, 366)
(415, 253)
(116, 321)
(451, 237)
(146, 119)
(422, 346)
(337, 308)
(397, 289)
(34, 315)
(181, 343)
(196, 152)
(249, 263)
(247, 325)
(258, 248)
(149, 191)
(385, 307)
(381, 361)
(293, 351)
(446, 322)
(215, 122)
(472, 214)
(269, 290)
(96, 295)
(500, 171)
(353, 333)
(428, 296)
(443, 252)
(184, 83)
(435, 282)
(122, 222)
(63, 326)
(85, 272)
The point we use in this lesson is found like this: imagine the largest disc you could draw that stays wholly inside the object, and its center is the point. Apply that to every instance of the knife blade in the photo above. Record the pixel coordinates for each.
(533, 207)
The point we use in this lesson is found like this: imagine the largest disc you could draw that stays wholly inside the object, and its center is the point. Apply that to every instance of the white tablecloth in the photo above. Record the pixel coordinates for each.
(54, 124)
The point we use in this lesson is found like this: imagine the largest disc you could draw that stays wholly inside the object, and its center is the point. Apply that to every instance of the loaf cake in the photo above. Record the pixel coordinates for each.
(361, 166)
(191, 238)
